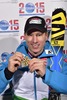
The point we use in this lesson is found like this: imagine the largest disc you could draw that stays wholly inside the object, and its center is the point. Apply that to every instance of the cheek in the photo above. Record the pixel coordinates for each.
(42, 39)
(28, 39)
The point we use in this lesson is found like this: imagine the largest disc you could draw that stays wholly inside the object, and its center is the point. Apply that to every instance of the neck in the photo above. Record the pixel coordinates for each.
(35, 55)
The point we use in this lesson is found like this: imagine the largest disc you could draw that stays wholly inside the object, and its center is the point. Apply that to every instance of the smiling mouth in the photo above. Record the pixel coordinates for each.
(35, 46)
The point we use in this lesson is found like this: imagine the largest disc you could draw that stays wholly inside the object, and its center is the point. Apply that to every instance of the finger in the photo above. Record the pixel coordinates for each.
(34, 68)
(33, 61)
(17, 63)
(18, 54)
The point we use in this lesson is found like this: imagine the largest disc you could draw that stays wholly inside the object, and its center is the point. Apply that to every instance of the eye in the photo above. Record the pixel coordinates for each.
(29, 34)
(39, 34)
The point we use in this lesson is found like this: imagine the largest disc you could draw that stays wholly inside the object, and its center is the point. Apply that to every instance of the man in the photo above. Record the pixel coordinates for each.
(35, 53)
(28, 85)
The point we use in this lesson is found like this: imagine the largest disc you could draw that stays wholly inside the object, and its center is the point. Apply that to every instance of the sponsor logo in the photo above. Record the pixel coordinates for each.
(9, 26)
(37, 8)
(29, 7)
(4, 25)
(48, 52)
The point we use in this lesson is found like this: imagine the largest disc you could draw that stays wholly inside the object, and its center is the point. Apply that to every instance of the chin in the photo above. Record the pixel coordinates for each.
(36, 52)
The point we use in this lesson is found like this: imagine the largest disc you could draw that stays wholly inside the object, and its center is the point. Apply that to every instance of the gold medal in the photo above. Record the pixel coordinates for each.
(25, 61)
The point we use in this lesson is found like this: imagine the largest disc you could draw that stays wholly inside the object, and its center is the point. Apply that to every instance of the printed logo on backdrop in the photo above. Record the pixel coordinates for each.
(9, 26)
(31, 8)
(3, 57)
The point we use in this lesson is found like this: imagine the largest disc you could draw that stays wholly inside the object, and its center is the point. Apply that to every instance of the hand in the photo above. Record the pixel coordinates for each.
(38, 65)
(15, 61)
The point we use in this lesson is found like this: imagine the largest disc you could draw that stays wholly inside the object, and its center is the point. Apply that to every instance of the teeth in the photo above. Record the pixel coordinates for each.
(35, 45)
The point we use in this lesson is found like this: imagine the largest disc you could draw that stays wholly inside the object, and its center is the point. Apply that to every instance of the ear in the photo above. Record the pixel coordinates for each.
(46, 36)
(25, 36)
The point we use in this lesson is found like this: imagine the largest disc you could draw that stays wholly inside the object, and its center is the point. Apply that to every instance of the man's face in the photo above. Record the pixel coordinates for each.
(36, 41)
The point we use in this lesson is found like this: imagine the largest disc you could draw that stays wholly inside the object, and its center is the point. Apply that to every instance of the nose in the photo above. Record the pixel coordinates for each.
(34, 38)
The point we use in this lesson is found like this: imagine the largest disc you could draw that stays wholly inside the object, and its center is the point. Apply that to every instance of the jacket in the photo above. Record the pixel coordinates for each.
(51, 75)
(57, 80)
